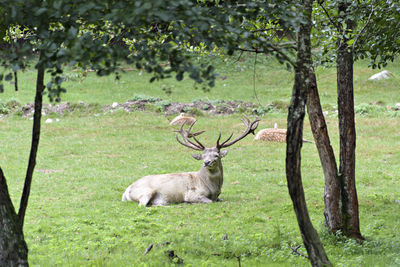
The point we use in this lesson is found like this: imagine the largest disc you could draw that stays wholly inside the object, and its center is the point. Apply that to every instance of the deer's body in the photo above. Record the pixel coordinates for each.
(203, 186)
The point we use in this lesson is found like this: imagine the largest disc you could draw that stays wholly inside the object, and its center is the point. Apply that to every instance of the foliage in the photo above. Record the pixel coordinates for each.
(380, 42)
(94, 35)
(375, 36)
(9, 107)
(139, 97)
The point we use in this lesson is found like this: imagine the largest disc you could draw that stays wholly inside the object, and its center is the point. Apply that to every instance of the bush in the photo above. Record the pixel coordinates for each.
(4, 110)
(10, 107)
(139, 97)
(368, 109)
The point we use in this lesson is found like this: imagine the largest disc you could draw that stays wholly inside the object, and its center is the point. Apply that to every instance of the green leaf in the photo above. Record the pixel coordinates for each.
(40, 11)
(350, 42)
(72, 32)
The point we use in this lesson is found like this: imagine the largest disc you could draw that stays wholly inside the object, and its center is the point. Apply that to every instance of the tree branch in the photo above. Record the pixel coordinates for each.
(254, 80)
(252, 50)
(239, 57)
(34, 146)
(276, 50)
(329, 16)
(365, 26)
(294, 249)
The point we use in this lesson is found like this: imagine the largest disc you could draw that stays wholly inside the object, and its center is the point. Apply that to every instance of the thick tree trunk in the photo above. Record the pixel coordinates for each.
(316, 252)
(347, 130)
(13, 249)
(332, 194)
(34, 145)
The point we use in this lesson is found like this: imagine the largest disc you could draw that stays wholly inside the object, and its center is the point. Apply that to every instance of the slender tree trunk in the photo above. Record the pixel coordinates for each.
(347, 130)
(34, 146)
(13, 249)
(332, 194)
(15, 81)
(294, 140)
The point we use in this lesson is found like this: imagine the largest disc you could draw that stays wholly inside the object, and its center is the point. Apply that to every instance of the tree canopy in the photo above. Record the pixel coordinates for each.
(102, 34)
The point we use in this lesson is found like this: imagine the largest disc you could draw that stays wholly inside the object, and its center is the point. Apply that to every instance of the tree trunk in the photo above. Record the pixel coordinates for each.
(294, 139)
(15, 81)
(13, 249)
(332, 194)
(34, 145)
(347, 130)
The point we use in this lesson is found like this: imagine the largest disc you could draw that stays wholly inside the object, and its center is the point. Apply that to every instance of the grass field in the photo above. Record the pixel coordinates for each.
(87, 159)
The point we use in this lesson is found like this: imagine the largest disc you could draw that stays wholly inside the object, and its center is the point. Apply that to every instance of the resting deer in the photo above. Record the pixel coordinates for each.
(203, 186)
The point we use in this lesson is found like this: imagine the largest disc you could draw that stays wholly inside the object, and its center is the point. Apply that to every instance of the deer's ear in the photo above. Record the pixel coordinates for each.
(197, 156)
(223, 153)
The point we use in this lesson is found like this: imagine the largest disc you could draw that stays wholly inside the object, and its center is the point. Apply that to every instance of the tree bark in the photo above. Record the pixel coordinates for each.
(347, 130)
(34, 145)
(332, 189)
(13, 249)
(294, 139)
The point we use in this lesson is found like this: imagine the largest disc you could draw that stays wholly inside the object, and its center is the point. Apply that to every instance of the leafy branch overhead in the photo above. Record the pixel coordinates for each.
(376, 36)
(102, 34)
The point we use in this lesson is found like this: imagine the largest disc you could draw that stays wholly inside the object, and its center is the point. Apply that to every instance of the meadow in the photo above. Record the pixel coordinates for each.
(87, 158)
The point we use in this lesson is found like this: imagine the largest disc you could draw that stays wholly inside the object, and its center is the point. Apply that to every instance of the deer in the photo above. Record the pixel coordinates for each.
(203, 186)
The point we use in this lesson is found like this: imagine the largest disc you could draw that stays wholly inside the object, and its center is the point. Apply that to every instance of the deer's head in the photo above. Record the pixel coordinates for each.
(211, 156)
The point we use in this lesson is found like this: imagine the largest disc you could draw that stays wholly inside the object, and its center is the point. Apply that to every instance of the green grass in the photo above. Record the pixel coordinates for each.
(273, 83)
(86, 160)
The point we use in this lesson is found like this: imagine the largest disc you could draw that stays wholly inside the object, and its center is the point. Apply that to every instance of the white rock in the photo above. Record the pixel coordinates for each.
(57, 120)
(381, 76)
(397, 106)
(114, 105)
(49, 121)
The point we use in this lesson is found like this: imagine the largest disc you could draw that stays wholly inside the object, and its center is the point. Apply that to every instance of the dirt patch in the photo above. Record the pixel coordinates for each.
(195, 108)
(198, 107)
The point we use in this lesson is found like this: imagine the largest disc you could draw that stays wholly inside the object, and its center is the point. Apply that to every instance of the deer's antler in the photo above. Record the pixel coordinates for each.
(186, 135)
(250, 128)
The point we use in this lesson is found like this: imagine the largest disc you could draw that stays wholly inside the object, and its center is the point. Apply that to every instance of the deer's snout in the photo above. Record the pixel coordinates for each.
(208, 163)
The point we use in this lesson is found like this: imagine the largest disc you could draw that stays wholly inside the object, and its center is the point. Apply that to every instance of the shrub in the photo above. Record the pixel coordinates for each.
(368, 109)
(139, 97)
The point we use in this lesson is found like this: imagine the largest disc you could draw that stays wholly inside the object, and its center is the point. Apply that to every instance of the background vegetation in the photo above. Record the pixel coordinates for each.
(88, 158)
(273, 84)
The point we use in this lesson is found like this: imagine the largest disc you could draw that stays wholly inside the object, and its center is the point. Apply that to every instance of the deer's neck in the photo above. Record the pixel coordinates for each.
(213, 178)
